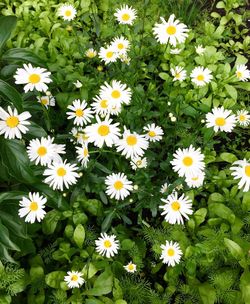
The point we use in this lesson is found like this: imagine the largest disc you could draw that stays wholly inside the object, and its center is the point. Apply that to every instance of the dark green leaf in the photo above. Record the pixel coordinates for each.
(19, 54)
(11, 94)
(7, 24)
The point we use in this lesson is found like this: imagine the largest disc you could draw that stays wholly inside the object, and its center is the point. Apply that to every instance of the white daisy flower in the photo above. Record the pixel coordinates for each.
(79, 135)
(125, 15)
(195, 181)
(171, 253)
(188, 162)
(154, 133)
(118, 186)
(43, 151)
(32, 207)
(176, 208)
(241, 170)
(221, 120)
(200, 49)
(101, 106)
(91, 53)
(12, 124)
(138, 162)
(47, 101)
(77, 84)
(67, 12)
(116, 93)
(74, 279)
(60, 174)
(130, 267)
(83, 154)
(201, 76)
(175, 51)
(107, 245)
(124, 58)
(242, 73)
(132, 145)
(80, 113)
(243, 118)
(108, 54)
(164, 188)
(178, 73)
(171, 31)
(34, 78)
(120, 44)
(103, 132)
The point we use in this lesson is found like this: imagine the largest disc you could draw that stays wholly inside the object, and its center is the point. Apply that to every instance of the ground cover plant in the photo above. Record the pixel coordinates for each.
(125, 168)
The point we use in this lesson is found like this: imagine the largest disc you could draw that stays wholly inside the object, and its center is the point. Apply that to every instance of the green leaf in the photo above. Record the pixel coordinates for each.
(54, 279)
(11, 94)
(79, 235)
(108, 220)
(207, 293)
(35, 131)
(12, 195)
(5, 299)
(103, 284)
(231, 91)
(245, 286)
(5, 238)
(228, 157)
(234, 249)
(216, 197)
(7, 24)
(19, 54)
(50, 221)
(200, 216)
(222, 211)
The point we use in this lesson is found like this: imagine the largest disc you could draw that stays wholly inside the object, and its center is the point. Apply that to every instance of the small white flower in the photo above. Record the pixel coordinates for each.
(171, 31)
(176, 208)
(201, 76)
(175, 51)
(154, 133)
(80, 113)
(173, 118)
(32, 207)
(241, 170)
(34, 78)
(118, 186)
(220, 120)
(243, 118)
(164, 188)
(120, 44)
(91, 53)
(83, 154)
(138, 162)
(108, 54)
(195, 181)
(60, 174)
(125, 15)
(79, 135)
(107, 245)
(200, 49)
(171, 253)
(47, 101)
(12, 124)
(130, 267)
(77, 84)
(74, 279)
(67, 12)
(178, 73)
(242, 73)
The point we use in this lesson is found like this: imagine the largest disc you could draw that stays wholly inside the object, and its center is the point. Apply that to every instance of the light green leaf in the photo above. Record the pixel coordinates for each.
(207, 293)
(245, 286)
(228, 157)
(200, 216)
(234, 249)
(79, 235)
(231, 91)
(54, 278)
(103, 284)
(222, 211)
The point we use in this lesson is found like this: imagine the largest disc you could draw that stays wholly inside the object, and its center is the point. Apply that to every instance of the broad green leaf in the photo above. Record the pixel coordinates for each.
(54, 278)
(207, 293)
(228, 157)
(19, 54)
(108, 220)
(234, 249)
(127, 244)
(5, 238)
(12, 195)
(11, 94)
(200, 216)
(216, 197)
(50, 221)
(7, 24)
(5, 299)
(222, 211)
(35, 131)
(231, 91)
(79, 235)
(103, 284)
(245, 286)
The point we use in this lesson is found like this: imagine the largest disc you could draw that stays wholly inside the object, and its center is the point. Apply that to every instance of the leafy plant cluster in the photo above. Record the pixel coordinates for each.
(215, 240)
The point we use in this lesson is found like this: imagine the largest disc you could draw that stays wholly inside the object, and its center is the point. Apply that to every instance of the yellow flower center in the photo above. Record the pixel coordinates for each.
(68, 13)
(131, 140)
(247, 170)
(171, 252)
(44, 101)
(125, 17)
(220, 121)
(109, 54)
(12, 121)
(79, 113)
(91, 54)
(118, 185)
(61, 171)
(187, 161)
(239, 74)
(177, 75)
(200, 77)
(103, 130)
(131, 267)
(171, 30)
(115, 94)
(104, 103)
(195, 178)
(152, 133)
(242, 117)
(176, 206)
(107, 244)
(33, 206)
(34, 78)
(120, 46)
(85, 152)
(74, 278)
(139, 162)
(41, 151)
